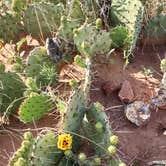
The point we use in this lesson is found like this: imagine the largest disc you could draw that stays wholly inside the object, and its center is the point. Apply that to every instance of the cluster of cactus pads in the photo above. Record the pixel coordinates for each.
(130, 14)
(44, 149)
(79, 121)
(56, 16)
(39, 152)
(63, 17)
(73, 22)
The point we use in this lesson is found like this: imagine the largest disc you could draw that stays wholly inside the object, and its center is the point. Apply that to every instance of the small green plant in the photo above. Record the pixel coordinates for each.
(79, 61)
(147, 72)
(120, 36)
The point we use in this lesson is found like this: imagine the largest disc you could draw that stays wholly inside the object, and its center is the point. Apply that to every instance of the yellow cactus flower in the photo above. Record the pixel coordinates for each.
(64, 142)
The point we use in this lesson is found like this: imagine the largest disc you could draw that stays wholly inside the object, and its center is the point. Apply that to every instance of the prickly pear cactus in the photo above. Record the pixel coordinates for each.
(11, 92)
(66, 28)
(75, 17)
(76, 12)
(43, 18)
(40, 67)
(9, 27)
(35, 59)
(76, 109)
(156, 28)
(22, 156)
(35, 107)
(66, 161)
(40, 151)
(74, 116)
(130, 14)
(90, 41)
(18, 5)
(45, 152)
(97, 128)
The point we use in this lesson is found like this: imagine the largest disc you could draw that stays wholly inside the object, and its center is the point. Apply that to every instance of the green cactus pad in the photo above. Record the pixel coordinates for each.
(34, 107)
(40, 67)
(18, 5)
(76, 12)
(156, 27)
(90, 41)
(9, 27)
(130, 14)
(96, 115)
(22, 156)
(74, 116)
(11, 89)
(45, 151)
(43, 18)
(120, 37)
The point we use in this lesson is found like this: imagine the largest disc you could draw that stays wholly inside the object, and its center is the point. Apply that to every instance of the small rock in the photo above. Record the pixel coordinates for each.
(159, 101)
(109, 87)
(138, 113)
(126, 93)
(164, 133)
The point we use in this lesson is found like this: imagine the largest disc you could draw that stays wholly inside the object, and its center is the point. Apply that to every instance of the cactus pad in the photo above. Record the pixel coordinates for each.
(45, 151)
(130, 14)
(40, 67)
(43, 18)
(101, 136)
(34, 107)
(90, 41)
(11, 89)
(22, 156)
(9, 27)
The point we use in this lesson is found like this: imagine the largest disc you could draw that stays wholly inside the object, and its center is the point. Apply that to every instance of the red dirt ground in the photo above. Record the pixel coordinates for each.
(138, 145)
